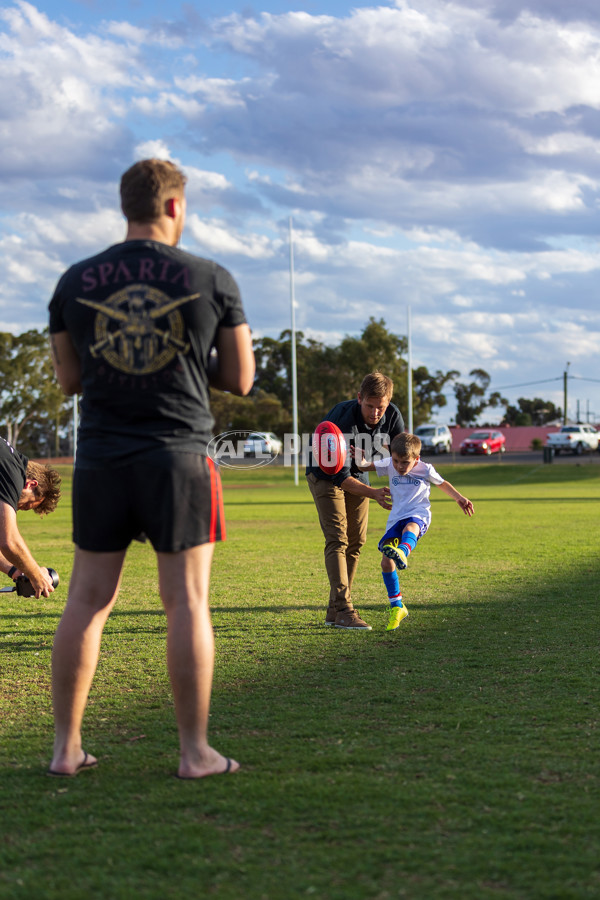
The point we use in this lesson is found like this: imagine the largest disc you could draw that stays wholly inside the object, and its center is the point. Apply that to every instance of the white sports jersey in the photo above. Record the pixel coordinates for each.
(410, 493)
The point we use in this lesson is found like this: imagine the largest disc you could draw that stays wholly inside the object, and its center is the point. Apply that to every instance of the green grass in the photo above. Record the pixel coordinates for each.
(454, 758)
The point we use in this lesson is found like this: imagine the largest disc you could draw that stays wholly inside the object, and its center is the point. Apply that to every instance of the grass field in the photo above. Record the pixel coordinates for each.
(455, 758)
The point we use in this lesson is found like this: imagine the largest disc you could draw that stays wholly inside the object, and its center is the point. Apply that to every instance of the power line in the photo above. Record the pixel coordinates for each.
(581, 378)
(506, 387)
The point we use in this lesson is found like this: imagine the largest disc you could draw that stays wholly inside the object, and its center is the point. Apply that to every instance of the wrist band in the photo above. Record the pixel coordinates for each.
(11, 571)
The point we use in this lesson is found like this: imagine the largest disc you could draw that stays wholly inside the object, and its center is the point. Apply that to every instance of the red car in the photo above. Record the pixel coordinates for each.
(483, 442)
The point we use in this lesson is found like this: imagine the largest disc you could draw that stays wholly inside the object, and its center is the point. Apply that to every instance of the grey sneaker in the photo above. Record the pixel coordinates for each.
(350, 619)
(330, 617)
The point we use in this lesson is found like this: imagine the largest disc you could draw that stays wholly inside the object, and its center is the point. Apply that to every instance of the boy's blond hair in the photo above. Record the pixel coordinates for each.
(48, 486)
(406, 445)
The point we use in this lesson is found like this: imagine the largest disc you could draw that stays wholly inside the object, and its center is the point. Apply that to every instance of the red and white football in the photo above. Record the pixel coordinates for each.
(329, 448)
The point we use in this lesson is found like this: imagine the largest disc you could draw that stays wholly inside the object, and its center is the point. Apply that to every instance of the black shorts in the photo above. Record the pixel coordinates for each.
(174, 498)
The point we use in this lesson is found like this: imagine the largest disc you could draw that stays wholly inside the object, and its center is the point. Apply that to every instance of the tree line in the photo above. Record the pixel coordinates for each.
(37, 417)
(328, 374)
(34, 413)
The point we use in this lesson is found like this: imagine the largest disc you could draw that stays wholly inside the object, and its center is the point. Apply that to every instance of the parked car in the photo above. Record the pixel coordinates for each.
(484, 442)
(435, 438)
(573, 438)
(262, 443)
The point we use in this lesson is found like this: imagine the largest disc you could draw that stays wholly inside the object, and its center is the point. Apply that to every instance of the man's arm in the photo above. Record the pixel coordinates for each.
(6, 566)
(67, 364)
(354, 486)
(15, 552)
(232, 367)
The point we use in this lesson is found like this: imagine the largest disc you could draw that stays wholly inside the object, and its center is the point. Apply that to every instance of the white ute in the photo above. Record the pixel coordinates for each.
(576, 439)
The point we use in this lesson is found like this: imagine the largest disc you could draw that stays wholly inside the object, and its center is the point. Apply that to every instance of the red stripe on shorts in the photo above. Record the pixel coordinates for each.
(217, 512)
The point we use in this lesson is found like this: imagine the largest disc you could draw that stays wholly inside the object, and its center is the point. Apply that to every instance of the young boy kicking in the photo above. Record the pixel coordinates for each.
(410, 486)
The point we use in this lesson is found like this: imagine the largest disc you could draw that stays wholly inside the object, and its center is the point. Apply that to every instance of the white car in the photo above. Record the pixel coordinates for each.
(262, 443)
(435, 438)
(575, 439)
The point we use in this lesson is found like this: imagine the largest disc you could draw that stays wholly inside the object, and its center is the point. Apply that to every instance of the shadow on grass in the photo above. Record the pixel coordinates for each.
(457, 758)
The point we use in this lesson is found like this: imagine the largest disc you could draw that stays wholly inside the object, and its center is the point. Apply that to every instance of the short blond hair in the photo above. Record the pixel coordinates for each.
(48, 486)
(378, 385)
(406, 445)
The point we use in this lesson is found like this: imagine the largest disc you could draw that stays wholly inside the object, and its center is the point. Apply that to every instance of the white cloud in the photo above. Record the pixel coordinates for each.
(203, 180)
(128, 32)
(463, 302)
(216, 237)
(392, 56)
(222, 92)
(439, 154)
(155, 149)
(560, 143)
(87, 231)
(167, 103)
(57, 94)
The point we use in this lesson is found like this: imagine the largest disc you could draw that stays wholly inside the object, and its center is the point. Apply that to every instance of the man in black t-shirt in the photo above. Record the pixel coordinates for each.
(24, 485)
(142, 330)
(342, 500)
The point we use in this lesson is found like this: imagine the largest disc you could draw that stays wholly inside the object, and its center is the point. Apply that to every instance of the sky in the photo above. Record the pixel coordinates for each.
(432, 156)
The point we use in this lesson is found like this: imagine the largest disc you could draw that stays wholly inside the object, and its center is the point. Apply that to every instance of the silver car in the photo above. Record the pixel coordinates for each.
(435, 438)
(262, 443)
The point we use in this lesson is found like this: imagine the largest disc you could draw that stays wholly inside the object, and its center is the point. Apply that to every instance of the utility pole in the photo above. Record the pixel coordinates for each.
(410, 398)
(293, 348)
(565, 376)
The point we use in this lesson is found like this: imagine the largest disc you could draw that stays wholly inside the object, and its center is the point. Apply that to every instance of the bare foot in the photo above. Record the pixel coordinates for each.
(215, 765)
(64, 769)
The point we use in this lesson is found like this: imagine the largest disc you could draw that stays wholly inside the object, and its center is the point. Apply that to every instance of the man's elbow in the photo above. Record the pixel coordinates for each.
(68, 381)
(242, 381)
(6, 548)
(246, 384)
(70, 388)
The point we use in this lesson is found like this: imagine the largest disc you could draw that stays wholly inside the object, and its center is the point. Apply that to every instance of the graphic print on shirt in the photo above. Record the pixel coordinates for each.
(405, 479)
(129, 333)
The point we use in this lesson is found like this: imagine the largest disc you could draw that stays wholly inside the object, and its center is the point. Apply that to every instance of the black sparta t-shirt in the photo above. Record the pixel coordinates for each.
(143, 317)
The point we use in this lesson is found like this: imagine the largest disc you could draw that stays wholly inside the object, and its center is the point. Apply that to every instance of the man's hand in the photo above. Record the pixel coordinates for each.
(358, 455)
(41, 584)
(360, 461)
(383, 497)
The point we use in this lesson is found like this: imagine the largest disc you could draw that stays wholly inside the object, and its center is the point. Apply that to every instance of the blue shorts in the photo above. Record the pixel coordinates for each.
(398, 527)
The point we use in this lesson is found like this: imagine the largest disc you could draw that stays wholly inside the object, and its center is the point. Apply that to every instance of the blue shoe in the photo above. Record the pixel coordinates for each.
(392, 550)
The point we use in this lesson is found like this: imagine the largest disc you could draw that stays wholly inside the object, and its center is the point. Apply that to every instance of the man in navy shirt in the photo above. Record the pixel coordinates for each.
(342, 500)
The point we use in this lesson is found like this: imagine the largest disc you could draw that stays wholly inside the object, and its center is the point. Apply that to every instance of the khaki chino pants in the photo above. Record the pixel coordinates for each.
(343, 518)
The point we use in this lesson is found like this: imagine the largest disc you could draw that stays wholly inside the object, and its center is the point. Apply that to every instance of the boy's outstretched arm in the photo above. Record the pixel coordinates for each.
(465, 505)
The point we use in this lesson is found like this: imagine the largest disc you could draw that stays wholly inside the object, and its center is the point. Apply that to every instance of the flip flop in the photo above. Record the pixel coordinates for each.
(225, 771)
(84, 765)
